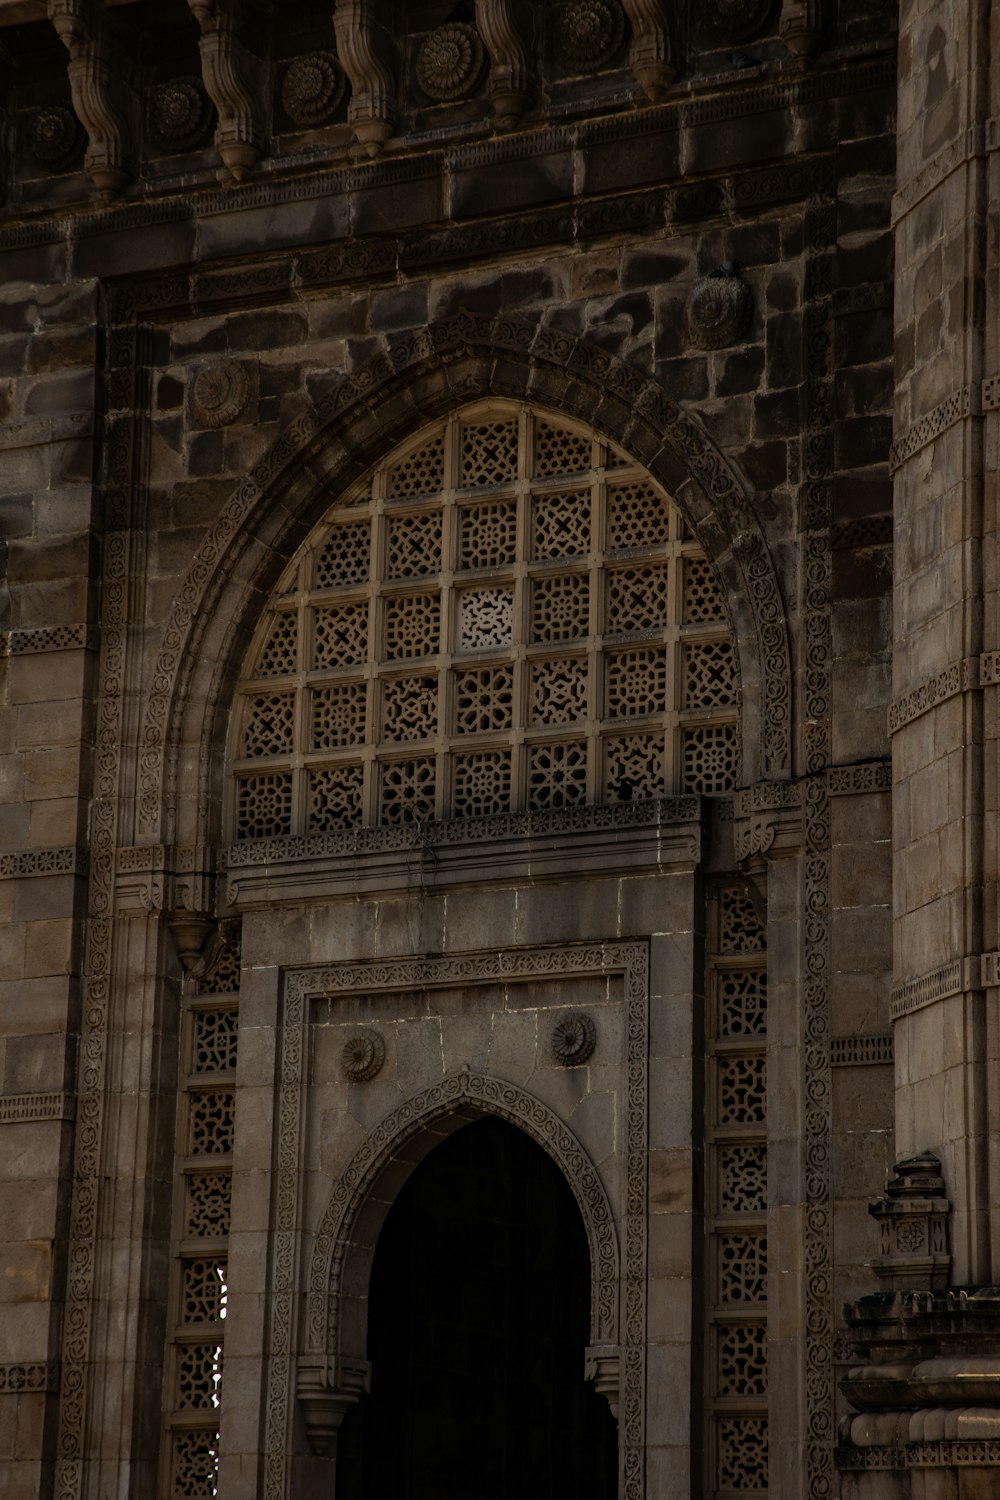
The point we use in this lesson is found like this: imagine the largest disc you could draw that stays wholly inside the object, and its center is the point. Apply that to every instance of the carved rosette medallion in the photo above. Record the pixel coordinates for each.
(55, 137)
(733, 21)
(219, 394)
(450, 62)
(363, 1055)
(179, 114)
(574, 1037)
(312, 89)
(719, 311)
(588, 33)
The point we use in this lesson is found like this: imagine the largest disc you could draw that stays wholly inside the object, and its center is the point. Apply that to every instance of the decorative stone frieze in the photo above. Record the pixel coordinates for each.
(719, 310)
(365, 49)
(651, 54)
(913, 1226)
(55, 137)
(179, 114)
(219, 393)
(860, 1051)
(588, 33)
(505, 29)
(29, 1378)
(964, 402)
(96, 81)
(574, 1038)
(232, 78)
(363, 1055)
(312, 89)
(450, 62)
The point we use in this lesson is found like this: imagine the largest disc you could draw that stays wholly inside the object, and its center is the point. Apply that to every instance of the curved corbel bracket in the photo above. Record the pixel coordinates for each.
(801, 29)
(505, 30)
(602, 1366)
(651, 54)
(365, 49)
(198, 940)
(325, 1402)
(96, 84)
(231, 76)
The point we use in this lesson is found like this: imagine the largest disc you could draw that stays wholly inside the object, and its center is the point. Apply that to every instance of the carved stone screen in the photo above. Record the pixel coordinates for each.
(507, 615)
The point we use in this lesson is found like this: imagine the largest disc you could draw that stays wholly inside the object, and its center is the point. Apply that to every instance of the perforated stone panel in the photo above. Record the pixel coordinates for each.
(506, 598)
(736, 1130)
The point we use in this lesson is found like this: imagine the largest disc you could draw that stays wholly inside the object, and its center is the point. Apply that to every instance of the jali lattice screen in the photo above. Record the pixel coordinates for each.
(506, 615)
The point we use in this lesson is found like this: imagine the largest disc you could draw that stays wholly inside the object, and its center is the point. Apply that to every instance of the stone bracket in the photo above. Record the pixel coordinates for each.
(364, 46)
(504, 27)
(651, 55)
(326, 1396)
(232, 78)
(767, 820)
(96, 80)
(602, 1366)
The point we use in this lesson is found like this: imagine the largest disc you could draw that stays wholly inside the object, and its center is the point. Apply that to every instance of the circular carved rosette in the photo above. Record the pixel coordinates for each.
(733, 21)
(450, 62)
(312, 89)
(574, 1037)
(363, 1055)
(719, 311)
(219, 394)
(55, 137)
(179, 114)
(588, 33)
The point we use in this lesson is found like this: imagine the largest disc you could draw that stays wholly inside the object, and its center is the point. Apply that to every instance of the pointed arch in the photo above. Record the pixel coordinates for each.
(416, 379)
(344, 1243)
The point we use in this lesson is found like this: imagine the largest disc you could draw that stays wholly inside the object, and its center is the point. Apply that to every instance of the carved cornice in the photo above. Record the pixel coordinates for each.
(233, 81)
(505, 27)
(96, 81)
(768, 819)
(651, 54)
(29, 1379)
(960, 677)
(154, 878)
(364, 45)
(20, 1108)
(954, 408)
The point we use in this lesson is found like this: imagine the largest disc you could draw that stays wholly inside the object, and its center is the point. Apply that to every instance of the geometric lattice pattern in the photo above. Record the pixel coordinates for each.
(213, 1045)
(506, 597)
(195, 1468)
(736, 1409)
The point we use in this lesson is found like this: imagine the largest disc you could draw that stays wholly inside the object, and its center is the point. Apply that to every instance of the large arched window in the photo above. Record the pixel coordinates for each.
(507, 615)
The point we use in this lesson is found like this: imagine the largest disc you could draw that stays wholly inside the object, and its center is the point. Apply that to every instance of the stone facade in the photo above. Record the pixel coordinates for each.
(498, 509)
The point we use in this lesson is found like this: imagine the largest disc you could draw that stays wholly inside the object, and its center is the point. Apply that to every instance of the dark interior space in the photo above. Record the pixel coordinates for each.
(478, 1321)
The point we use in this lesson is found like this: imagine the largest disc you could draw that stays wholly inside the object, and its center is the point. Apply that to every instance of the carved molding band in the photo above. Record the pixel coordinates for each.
(65, 861)
(953, 978)
(860, 1051)
(15, 1108)
(869, 776)
(15, 1379)
(963, 148)
(991, 393)
(984, 1453)
(960, 677)
(954, 408)
(48, 638)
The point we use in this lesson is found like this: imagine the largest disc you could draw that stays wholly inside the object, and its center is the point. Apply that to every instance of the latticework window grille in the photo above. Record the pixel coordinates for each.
(200, 1280)
(736, 1211)
(507, 615)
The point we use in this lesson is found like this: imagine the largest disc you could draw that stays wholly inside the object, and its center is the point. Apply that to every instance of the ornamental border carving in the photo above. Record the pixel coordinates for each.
(48, 638)
(960, 677)
(29, 862)
(861, 1051)
(962, 403)
(620, 400)
(815, 518)
(16, 1108)
(944, 1454)
(950, 979)
(326, 1258)
(971, 143)
(16, 1380)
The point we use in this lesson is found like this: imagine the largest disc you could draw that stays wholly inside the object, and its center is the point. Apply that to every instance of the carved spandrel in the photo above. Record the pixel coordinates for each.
(366, 52)
(96, 80)
(232, 78)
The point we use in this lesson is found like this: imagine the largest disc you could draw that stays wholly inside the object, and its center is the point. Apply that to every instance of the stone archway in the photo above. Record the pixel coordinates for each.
(333, 1369)
(418, 378)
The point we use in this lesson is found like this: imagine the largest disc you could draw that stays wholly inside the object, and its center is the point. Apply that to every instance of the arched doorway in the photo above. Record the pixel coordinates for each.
(478, 1320)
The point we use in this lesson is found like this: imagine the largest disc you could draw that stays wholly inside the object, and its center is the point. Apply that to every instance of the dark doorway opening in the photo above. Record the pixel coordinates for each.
(478, 1320)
